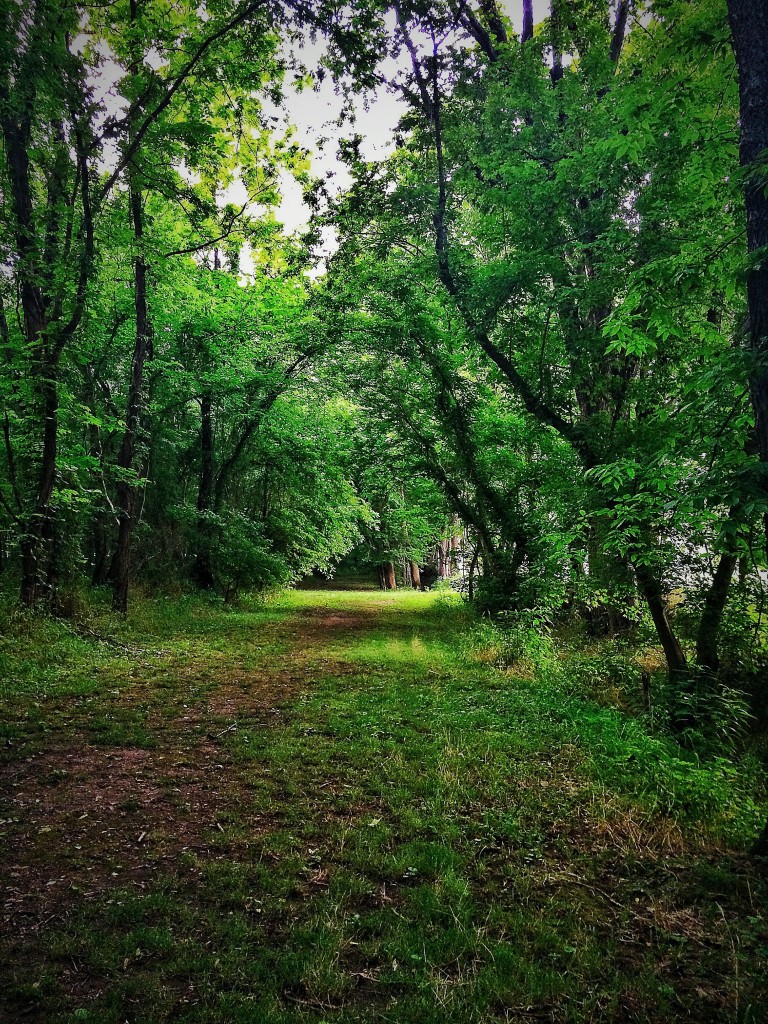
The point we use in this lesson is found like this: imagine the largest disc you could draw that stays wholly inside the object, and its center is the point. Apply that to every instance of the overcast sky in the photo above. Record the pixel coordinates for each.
(313, 114)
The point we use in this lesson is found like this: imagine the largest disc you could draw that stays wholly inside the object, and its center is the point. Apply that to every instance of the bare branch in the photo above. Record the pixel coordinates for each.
(421, 82)
(208, 242)
(477, 30)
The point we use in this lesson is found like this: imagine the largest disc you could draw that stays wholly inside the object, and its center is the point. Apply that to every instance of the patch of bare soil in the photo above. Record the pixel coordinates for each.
(84, 820)
(318, 623)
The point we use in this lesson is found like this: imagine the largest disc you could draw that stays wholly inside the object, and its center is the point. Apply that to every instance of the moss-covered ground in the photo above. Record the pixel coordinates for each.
(326, 808)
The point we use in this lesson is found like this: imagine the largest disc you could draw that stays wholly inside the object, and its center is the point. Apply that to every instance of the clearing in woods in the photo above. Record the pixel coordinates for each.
(326, 808)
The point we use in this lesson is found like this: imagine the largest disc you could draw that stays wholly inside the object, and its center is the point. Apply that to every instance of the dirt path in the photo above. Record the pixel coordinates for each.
(84, 818)
(321, 812)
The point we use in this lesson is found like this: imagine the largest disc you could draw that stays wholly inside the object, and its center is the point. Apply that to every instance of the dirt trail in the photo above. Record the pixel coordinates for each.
(85, 818)
(210, 803)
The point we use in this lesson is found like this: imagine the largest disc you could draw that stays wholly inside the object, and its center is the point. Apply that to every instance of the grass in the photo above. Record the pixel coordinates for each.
(322, 808)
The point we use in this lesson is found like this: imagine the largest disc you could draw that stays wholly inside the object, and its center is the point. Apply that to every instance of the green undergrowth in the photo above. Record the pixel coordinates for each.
(348, 812)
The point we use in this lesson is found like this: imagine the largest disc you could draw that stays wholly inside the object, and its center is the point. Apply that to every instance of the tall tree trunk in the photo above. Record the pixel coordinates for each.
(126, 489)
(45, 369)
(443, 559)
(34, 562)
(99, 549)
(760, 849)
(455, 547)
(677, 665)
(749, 27)
(389, 576)
(415, 576)
(38, 250)
(202, 572)
(39, 525)
(527, 32)
(471, 578)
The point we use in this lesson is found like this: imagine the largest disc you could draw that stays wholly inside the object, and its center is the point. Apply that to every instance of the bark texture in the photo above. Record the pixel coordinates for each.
(203, 572)
(415, 576)
(389, 576)
(126, 489)
(677, 665)
(707, 656)
(749, 27)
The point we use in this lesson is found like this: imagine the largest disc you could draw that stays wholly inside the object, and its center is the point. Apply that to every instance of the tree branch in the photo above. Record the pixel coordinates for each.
(87, 254)
(532, 402)
(421, 82)
(132, 148)
(490, 10)
(478, 31)
(619, 30)
(234, 218)
(250, 426)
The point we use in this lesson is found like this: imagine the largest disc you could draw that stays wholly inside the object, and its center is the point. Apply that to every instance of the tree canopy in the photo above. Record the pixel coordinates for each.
(535, 353)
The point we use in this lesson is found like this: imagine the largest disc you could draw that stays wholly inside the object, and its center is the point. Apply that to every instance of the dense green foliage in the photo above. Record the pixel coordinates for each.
(536, 300)
(521, 358)
(546, 271)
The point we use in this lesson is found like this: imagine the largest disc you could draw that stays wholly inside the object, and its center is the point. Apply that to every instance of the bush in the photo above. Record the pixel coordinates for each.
(522, 640)
(240, 555)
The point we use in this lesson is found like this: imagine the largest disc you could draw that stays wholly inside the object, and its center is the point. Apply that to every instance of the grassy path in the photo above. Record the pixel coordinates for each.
(323, 810)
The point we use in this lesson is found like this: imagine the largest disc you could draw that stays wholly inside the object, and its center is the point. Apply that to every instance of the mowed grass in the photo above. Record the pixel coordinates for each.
(326, 808)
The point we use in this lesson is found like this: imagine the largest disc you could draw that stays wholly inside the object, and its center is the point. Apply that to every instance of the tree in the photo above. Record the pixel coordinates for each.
(559, 206)
(47, 123)
(749, 25)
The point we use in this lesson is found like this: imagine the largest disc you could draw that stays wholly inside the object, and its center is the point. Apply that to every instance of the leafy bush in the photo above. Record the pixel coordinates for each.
(522, 640)
(240, 555)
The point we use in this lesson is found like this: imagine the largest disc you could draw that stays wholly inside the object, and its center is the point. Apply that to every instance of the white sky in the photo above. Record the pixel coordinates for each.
(312, 114)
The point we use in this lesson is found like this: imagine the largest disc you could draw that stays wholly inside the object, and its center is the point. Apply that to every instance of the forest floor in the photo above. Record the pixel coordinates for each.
(324, 808)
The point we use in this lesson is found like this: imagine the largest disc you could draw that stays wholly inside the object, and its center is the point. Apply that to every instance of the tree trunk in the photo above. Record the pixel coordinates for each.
(34, 305)
(707, 656)
(677, 665)
(415, 576)
(100, 551)
(749, 27)
(527, 32)
(444, 559)
(38, 527)
(472, 568)
(202, 571)
(389, 576)
(455, 547)
(126, 490)
(36, 265)
(760, 849)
